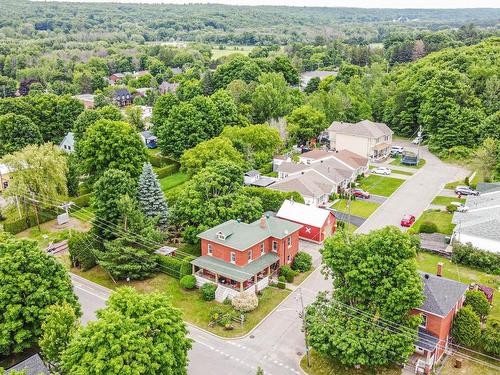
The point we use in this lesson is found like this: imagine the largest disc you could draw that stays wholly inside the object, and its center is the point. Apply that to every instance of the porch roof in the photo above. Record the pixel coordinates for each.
(232, 271)
(426, 340)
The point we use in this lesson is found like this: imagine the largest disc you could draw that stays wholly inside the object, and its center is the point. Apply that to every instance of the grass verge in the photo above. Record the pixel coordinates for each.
(444, 201)
(359, 207)
(379, 185)
(302, 276)
(441, 218)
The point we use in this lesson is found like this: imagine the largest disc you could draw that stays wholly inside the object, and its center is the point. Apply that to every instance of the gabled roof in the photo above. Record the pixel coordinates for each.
(121, 92)
(351, 158)
(316, 154)
(69, 139)
(147, 135)
(309, 184)
(488, 187)
(301, 213)
(365, 129)
(241, 236)
(441, 294)
(32, 366)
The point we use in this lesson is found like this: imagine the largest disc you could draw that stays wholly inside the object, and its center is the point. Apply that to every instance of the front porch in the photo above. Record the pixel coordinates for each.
(422, 361)
(381, 151)
(232, 279)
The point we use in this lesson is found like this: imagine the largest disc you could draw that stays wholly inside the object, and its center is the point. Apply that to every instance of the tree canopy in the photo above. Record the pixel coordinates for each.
(16, 132)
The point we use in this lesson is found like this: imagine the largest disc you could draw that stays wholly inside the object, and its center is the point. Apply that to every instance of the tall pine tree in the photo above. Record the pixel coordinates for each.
(151, 198)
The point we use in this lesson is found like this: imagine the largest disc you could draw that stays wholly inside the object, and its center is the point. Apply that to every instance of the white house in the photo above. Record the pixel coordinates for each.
(367, 138)
(480, 225)
(68, 143)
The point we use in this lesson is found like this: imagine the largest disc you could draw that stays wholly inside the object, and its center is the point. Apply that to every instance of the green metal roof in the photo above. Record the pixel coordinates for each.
(232, 271)
(241, 236)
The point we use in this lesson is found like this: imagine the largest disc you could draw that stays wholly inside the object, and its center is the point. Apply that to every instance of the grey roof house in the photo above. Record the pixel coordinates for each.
(68, 143)
(31, 366)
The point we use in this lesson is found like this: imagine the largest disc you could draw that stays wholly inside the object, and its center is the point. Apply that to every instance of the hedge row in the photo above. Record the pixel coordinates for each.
(167, 171)
(471, 256)
(175, 267)
(19, 225)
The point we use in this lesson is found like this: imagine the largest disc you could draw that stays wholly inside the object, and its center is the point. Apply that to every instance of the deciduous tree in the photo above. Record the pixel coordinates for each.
(16, 132)
(305, 123)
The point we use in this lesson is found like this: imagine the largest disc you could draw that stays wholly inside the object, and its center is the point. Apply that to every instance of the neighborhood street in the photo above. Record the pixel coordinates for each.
(278, 343)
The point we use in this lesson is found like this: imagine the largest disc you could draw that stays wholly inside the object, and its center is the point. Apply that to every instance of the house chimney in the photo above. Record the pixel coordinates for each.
(440, 269)
(263, 224)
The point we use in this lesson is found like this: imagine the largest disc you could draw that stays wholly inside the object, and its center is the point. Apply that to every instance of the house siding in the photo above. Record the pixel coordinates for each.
(318, 234)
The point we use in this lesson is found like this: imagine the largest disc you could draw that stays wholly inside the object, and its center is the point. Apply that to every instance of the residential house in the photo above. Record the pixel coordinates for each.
(122, 97)
(239, 256)
(254, 178)
(116, 77)
(149, 139)
(30, 366)
(443, 299)
(5, 177)
(170, 87)
(319, 173)
(370, 139)
(140, 73)
(142, 91)
(480, 224)
(87, 100)
(317, 223)
(278, 159)
(305, 77)
(68, 143)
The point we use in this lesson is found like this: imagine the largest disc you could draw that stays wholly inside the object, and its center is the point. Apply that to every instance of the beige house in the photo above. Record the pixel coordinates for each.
(367, 138)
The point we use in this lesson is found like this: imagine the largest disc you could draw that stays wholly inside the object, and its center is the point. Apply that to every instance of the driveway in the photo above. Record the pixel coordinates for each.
(342, 216)
(415, 195)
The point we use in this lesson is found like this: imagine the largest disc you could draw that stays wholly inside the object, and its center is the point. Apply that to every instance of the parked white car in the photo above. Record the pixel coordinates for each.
(382, 170)
(417, 140)
(397, 150)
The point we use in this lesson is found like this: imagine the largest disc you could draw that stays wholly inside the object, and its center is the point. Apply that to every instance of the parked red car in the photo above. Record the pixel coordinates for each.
(407, 220)
(360, 193)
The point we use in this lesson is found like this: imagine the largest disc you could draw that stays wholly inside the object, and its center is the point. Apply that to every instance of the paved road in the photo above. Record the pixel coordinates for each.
(278, 343)
(415, 195)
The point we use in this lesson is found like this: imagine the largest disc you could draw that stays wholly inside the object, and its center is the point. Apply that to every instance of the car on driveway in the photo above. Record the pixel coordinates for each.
(382, 170)
(395, 150)
(465, 190)
(417, 140)
(360, 193)
(407, 220)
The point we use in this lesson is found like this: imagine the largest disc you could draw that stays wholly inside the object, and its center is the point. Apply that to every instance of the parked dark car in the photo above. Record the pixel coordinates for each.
(360, 193)
(465, 190)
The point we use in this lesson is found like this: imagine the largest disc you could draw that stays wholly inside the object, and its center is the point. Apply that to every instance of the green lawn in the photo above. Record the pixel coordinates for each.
(468, 367)
(453, 185)
(324, 366)
(380, 185)
(173, 180)
(441, 218)
(427, 262)
(192, 249)
(444, 201)
(194, 309)
(397, 161)
(359, 207)
(229, 50)
(302, 276)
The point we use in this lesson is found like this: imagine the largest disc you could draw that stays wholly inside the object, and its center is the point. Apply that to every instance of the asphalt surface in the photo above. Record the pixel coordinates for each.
(342, 216)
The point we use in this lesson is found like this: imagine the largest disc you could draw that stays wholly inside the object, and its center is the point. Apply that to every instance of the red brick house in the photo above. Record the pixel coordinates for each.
(238, 256)
(443, 299)
(317, 223)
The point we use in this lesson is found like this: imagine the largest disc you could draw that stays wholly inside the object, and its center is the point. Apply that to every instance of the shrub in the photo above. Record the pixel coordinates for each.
(208, 291)
(271, 199)
(81, 250)
(302, 262)
(188, 282)
(17, 226)
(175, 267)
(281, 285)
(482, 260)
(428, 227)
(466, 327)
(478, 302)
(285, 270)
(282, 279)
(467, 181)
(491, 336)
(167, 171)
(451, 208)
(245, 301)
(290, 276)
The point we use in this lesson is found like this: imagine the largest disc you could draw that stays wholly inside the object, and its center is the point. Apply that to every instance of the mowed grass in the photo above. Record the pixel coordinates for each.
(380, 185)
(469, 367)
(445, 201)
(173, 180)
(427, 262)
(194, 309)
(229, 50)
(441, 218)
(359, 207)
(325, 366)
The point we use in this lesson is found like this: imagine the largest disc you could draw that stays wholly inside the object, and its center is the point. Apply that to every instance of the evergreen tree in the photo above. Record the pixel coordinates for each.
(151, 198)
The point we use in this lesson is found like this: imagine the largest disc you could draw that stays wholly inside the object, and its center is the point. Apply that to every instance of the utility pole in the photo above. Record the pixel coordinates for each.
(419, 135)
(304, 328)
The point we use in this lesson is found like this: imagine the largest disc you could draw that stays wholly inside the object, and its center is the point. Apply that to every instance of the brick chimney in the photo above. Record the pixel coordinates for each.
(263, 223)
(440, 269)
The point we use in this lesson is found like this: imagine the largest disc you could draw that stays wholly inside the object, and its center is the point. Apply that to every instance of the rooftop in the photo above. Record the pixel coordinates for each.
(365, 128)
(241, 236)
(302, 213)
(31, 366)
(441, 294)
(309, 184)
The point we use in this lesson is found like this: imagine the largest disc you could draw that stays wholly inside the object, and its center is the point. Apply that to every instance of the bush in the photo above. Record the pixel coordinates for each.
(285, 270)
(467, 181)
(82, 200)
(245, 301)
(208, 291)
(482, 260)
(281, 285)
(466, 327)
(17, 226)
(175, 267)
(491, 336)
(478, 302)
(451, 208)
(271, 199)
(428, 227)
(302, 262)
(282, 279)
(159, 161)
(188, 282)
(167, 171)
(82, 248)
(290, 277)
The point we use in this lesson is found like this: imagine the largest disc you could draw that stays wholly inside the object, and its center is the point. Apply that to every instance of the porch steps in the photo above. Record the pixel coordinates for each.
(221, 293)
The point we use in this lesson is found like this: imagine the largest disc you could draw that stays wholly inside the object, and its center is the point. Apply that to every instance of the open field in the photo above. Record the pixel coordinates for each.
(379, 185)
(229, 50)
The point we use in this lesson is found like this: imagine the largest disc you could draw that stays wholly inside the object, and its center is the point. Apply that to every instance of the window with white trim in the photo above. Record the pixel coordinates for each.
(250, 255)
(262, 251)
(233, 257)
(289, 241)
(275, 246)
(289, 258)
(424, 321)
(209, 249)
